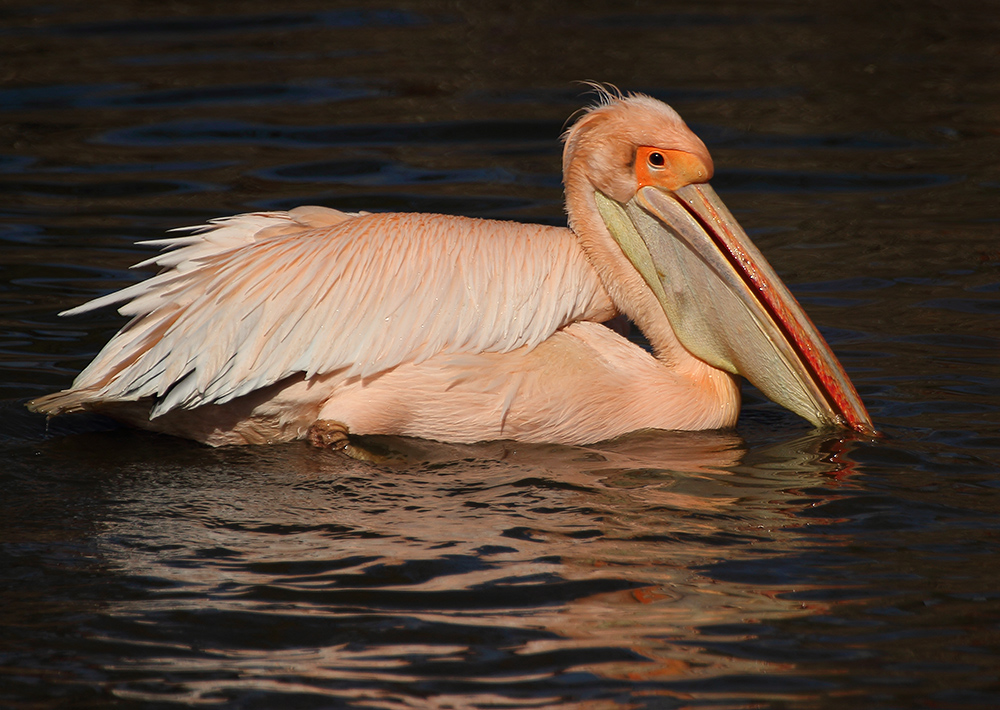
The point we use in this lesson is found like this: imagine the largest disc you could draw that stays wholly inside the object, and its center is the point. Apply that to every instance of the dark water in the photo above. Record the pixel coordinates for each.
(858, 142)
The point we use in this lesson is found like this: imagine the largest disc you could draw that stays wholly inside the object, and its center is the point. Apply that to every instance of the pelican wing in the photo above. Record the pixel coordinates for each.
(249, 300)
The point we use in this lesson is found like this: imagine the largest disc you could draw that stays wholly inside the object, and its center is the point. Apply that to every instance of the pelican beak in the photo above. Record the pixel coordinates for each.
(727, 305)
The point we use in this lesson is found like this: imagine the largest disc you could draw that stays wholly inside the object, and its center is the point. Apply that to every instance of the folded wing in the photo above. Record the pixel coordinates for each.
(250, 300)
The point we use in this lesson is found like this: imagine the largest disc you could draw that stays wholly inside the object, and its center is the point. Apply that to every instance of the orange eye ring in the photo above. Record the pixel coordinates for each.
(669, 169)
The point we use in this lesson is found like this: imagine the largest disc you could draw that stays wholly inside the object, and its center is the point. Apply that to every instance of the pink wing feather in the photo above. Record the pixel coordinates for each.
(249, 300)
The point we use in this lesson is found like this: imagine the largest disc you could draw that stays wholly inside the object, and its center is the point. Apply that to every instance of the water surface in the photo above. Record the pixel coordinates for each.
(771, 566)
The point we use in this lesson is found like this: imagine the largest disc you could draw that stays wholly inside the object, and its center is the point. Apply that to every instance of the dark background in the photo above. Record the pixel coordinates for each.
(773, 566)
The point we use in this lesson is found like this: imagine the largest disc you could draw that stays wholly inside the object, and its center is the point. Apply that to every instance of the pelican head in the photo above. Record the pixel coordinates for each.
(637, 194)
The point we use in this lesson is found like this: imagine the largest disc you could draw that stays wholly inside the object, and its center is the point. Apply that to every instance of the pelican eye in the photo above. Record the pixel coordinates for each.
(657, 160)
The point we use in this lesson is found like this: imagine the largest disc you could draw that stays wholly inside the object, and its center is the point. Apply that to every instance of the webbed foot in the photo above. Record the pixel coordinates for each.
(328, 434)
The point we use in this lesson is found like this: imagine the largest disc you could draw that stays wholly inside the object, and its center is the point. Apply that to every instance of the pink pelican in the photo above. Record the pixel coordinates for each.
(319, 324)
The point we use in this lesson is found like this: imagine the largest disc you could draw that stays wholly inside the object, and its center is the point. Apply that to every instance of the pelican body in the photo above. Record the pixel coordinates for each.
(320, 324)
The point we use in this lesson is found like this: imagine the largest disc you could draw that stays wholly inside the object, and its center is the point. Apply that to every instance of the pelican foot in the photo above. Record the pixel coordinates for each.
(328, 434)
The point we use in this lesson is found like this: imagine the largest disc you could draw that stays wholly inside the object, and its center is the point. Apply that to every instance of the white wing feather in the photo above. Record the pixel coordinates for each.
(249, 300)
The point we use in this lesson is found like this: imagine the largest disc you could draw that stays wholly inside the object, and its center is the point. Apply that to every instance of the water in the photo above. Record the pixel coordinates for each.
(767, 567)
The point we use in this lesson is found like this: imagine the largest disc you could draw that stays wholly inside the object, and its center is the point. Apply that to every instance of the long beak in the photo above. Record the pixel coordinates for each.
(728, 306)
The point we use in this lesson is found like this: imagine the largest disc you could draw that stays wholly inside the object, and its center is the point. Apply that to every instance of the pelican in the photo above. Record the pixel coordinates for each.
(322, 325)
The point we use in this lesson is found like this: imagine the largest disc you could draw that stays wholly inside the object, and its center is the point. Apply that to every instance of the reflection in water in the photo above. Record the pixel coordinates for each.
(492, 572)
